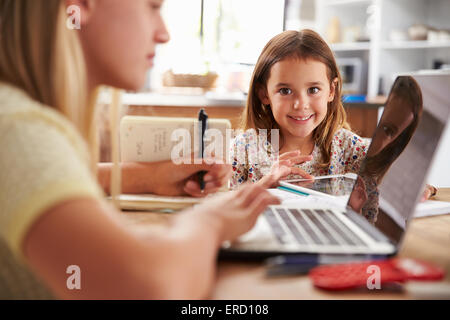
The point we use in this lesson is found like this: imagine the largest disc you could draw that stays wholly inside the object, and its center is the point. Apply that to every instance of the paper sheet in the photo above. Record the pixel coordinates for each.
(432, 208)
(423, 209)
(289, 198)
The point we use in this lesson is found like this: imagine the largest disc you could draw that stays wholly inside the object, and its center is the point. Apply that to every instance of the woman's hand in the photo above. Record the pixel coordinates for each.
(235, 212)
(281, 169)
(168, 179)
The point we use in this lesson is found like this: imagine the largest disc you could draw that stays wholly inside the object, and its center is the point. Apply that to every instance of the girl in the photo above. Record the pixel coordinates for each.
(296, 88)
(52, 211)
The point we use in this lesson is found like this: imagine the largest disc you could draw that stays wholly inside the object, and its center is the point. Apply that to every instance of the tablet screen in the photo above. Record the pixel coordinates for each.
(336, 186)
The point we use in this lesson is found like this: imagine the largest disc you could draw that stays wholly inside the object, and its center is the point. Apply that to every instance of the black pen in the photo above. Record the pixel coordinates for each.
(202, 127)
(283, 265)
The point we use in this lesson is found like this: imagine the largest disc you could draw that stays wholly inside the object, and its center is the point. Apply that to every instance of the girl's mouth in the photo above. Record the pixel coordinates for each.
(301, 119)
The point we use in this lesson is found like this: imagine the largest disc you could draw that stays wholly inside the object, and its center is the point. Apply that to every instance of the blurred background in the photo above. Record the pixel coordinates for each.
(373, 39)
(215, 44)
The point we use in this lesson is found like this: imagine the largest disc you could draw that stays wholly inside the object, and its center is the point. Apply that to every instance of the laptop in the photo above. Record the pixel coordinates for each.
(384, 196)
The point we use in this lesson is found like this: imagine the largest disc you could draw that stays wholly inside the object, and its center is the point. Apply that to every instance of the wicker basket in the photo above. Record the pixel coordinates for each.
(204, 81)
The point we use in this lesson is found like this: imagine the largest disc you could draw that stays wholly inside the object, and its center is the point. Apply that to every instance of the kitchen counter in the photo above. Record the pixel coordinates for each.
(183, 100)
(210, 99)
(361, 116)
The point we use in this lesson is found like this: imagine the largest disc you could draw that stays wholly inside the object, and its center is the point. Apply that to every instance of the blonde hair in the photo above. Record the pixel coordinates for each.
(305, 44)
(40, 55)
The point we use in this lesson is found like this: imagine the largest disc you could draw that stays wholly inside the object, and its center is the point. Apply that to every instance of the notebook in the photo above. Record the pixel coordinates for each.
(152, 139)
(154, 203)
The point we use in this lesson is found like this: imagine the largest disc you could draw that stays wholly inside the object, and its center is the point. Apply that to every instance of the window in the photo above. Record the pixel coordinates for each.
(234, 31)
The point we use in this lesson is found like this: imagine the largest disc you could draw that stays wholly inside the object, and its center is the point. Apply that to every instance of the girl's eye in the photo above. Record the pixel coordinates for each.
(285, 91)
(313, 90)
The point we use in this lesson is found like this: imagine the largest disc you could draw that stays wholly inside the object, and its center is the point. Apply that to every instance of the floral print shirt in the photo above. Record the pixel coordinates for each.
(252, 159)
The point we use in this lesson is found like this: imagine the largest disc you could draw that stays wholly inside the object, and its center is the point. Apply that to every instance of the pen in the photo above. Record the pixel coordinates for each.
(290, 265)
(202, 127)
(297, 192)
(301, 264)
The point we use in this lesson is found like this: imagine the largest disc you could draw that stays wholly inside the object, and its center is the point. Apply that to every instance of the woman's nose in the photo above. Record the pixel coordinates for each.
(161, 34)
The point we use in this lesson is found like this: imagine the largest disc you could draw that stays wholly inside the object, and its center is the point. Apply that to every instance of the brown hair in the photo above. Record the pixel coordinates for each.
(305, 44)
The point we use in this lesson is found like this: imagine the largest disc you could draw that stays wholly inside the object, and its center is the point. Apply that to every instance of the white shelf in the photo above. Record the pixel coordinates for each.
(158, 99)
(346, 2)
(350, 46)
(415, 45)
(385, 58)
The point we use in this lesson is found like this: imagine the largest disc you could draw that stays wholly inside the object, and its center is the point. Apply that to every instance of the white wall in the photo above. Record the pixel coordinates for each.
(436, 99)
(440, 172)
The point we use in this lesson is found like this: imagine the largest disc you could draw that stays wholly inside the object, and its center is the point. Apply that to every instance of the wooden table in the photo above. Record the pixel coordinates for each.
(427, 239)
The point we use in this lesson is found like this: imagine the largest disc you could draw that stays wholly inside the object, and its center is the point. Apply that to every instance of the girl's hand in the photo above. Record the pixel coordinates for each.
(295, 158)
(281, 169)
(358, 197)
(234, 213)
(429, 192)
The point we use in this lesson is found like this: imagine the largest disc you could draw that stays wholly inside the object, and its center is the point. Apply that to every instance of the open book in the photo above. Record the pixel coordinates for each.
(151, 202)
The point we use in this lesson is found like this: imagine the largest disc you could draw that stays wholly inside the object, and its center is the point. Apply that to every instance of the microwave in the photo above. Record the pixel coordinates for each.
(351, 70)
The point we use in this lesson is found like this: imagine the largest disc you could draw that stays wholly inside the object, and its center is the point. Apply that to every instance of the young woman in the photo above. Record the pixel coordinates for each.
(52, 210)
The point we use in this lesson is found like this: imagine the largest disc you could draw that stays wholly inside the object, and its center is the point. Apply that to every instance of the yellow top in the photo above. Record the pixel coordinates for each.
(43, 162)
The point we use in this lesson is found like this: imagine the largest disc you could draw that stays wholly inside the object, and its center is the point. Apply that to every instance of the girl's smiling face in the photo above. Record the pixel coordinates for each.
(298, 91)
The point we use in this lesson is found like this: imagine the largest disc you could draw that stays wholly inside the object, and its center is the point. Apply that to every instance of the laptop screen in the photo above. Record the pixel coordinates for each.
(392, 176)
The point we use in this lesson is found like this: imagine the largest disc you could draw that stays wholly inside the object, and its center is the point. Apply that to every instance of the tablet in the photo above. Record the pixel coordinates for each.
(334, 185)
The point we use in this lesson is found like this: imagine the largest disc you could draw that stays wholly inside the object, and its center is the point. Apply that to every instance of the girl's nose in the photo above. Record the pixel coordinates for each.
(300, 104)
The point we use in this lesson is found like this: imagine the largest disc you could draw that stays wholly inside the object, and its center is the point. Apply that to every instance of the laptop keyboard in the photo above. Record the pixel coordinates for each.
(311, 226)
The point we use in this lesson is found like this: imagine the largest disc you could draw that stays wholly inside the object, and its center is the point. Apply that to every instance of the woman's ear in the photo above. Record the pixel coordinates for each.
(333, 86)
(80, 10)
(262, 94)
